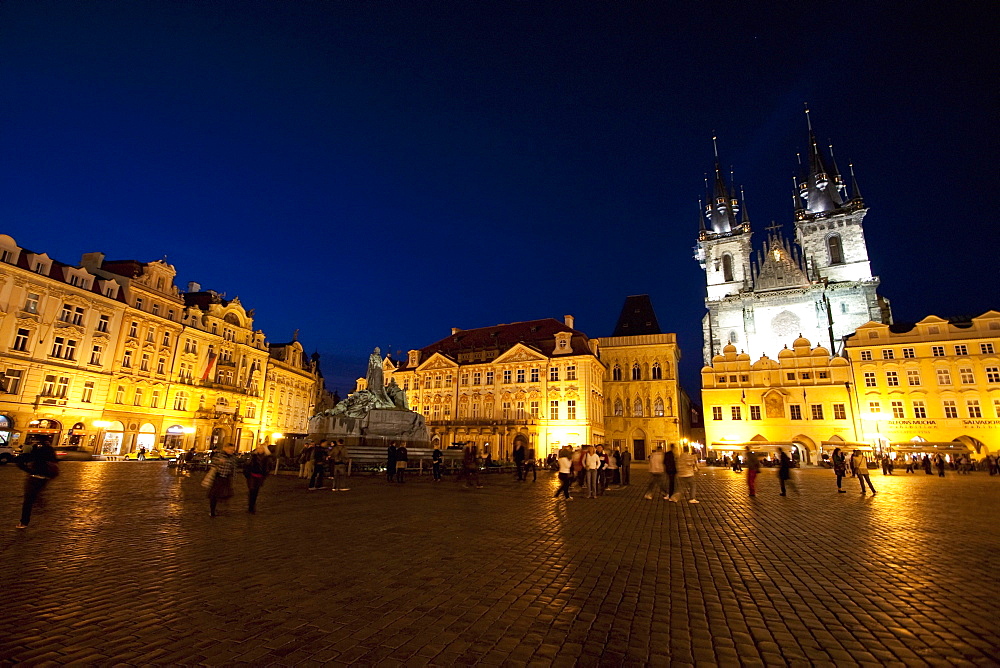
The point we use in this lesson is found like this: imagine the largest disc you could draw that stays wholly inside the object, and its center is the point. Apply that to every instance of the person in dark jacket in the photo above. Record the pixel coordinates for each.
(39, 462)
(256, 471)
(221, 487)
(401, 462)
(390, 465)
(436, 458)
(670, 469)
(519, 461)
(785, 471)
(839, 468)
(319, 454)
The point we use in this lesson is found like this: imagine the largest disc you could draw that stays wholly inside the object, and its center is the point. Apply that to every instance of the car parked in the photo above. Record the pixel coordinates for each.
(7, 454)
(148, 454)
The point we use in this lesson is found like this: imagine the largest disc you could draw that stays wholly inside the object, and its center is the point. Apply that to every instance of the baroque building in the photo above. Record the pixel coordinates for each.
(819, 286)
(110, 356)
(932, 385)
(537, 383)
(645, 406)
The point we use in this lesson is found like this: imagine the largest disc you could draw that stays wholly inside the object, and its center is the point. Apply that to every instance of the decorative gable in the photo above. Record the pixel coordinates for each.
(520, 353)
(437, 361)
(564, 343)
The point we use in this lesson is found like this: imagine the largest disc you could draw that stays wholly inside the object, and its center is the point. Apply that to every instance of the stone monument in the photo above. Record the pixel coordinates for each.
(374, 415)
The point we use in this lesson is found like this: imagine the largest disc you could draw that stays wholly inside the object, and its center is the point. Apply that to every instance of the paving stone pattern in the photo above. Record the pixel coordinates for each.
(123, 565)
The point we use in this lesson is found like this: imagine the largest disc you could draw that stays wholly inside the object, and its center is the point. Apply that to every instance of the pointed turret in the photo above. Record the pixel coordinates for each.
(855, 191)
(821, 187)
(719, 207)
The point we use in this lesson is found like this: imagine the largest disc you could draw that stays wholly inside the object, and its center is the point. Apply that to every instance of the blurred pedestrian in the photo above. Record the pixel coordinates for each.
(470, 466)
(753, 468)
(860, 463)
(319, 455)
(687, 470)
(591, 465)
(602, 469)
(39, 462)
(519, 461)
(530, 464)
(670, 472)
(839, 468)
(927, 465)
(565, 472)
(305, 460)
(785, 471)
(402, 460)
(220, 476)
(612, 471)
(256, 471)
(436, 458)
(656, 474)
(390, 464)
(187, 462)
(578, 470)
(626, 468)
(338, 459)
(939, 465)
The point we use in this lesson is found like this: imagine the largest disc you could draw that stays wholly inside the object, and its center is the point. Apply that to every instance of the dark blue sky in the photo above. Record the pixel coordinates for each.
(375, 173)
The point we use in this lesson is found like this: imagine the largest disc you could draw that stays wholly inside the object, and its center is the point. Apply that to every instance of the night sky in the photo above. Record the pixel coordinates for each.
(375, 173)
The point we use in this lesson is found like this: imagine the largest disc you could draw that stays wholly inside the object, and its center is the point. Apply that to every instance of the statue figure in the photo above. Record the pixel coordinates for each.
(376, 381)
(397, 395)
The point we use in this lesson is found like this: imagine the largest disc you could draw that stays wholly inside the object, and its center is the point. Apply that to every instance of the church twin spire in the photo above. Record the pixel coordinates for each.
(722, 207)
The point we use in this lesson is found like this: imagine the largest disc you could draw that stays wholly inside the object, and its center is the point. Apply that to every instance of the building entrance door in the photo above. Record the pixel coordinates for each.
(639, 449)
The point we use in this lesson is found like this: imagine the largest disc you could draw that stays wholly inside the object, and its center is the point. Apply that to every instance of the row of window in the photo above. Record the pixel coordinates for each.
(959, 349)
(655, 372)
(640, 410)
(508, 410)
(790, 375)
(918, 410)
(966, 375)
(507, 376)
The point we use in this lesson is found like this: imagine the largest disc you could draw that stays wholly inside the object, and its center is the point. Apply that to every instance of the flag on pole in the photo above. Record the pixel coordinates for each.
(743, 399)
(209, 366)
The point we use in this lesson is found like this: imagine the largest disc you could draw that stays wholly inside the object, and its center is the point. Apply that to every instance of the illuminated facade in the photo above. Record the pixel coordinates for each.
(800, 401)
(290, 390)
(111, 356)
(539, 383)
(935, 384)
(644, 403)
(820, 286)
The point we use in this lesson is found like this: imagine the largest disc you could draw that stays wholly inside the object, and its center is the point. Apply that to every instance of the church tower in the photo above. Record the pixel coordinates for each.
(724, 250)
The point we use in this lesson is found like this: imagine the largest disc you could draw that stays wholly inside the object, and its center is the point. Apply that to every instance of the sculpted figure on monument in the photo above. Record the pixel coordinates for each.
(376, 395)
(397, 395)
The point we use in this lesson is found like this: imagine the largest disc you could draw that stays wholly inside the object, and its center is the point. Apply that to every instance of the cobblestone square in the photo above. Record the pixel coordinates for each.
(123, 565)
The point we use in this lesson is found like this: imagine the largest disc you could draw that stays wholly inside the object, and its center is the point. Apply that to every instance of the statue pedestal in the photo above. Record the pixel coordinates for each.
(379, 427)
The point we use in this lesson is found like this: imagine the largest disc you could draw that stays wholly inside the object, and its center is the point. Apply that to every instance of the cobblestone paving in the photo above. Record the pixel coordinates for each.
(123, 565)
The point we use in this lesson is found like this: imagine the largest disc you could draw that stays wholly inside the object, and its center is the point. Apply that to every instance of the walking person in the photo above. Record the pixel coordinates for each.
(612, 472)
(39, 462)
(927, 465)
(687, 469)
(256, 471)
(670, 471)
(909, 464)
(939, 465)
(860, 463)
(753, 468)
(220, 476)
(470, 467)
(626, 468)
(565, 472)
(338, 459)
(656, 468)
(319, 453)
(305, 461)
(531, 464)
(785, 471)
(436, 458)
(401, 462)
(390, 463)
(578, 471)
(839, 468)
(141, 457)
(602, 470)
(519, 461)
(591, 465)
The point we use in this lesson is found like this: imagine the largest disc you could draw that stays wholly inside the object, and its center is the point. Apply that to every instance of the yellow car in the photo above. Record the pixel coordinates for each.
(149, 454)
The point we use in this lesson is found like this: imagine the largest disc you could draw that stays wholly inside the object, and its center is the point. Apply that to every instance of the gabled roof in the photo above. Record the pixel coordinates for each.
(637, 317)
(536, 334)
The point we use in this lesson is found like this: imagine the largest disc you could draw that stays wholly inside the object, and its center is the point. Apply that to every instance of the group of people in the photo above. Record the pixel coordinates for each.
(594, 468)
(673, 474)
(318, 458)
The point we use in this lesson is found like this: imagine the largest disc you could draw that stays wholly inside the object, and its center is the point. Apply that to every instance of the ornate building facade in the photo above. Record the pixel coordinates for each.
(930, 385)
(538, 382)
(820, 286)
(110, 356)
(644, 403)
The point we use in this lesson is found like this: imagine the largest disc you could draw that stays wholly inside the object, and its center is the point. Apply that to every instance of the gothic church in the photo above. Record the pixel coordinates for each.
(819, 286)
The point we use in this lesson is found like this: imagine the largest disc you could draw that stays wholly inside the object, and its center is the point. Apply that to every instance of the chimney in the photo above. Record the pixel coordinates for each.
(455, 330)
(568, 319)
(92, 261)
(194, 287)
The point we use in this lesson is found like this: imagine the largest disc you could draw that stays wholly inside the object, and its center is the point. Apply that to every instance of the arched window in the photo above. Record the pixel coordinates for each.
(619, 409)
(836, 248)
(734, 337)
(657, 371)
(727, 267)
(636, 372)
(637, 408)
(616, 373)
(658, 407)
